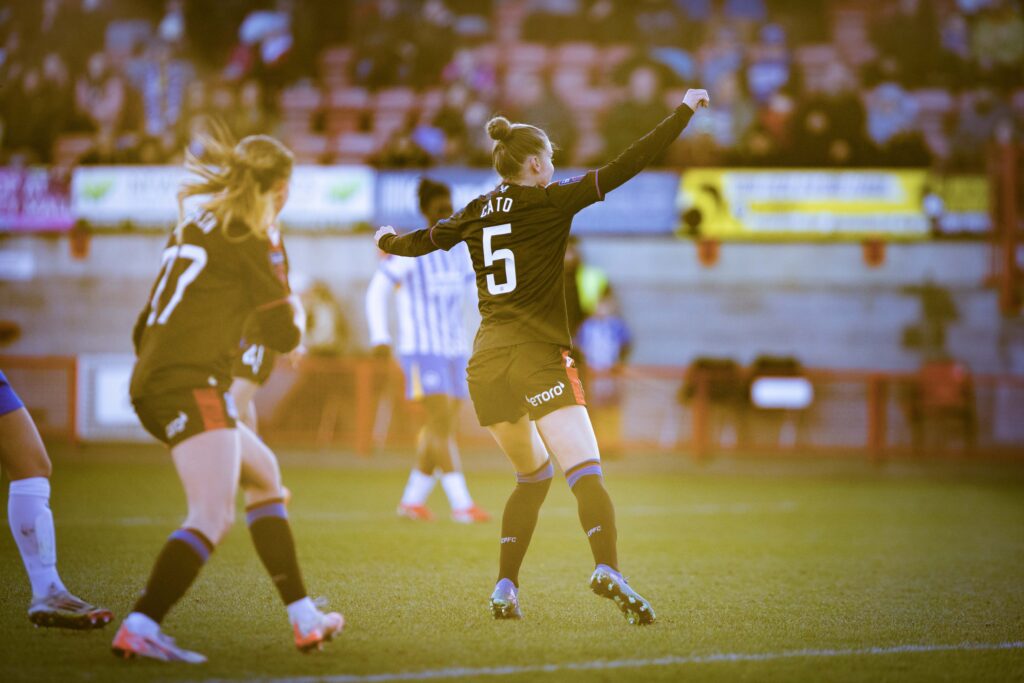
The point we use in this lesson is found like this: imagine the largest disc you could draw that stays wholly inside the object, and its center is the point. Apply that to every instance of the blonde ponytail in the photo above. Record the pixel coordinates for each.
(240, 178)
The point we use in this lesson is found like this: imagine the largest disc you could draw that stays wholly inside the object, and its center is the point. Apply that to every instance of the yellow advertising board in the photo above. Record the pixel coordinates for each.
(812, 204)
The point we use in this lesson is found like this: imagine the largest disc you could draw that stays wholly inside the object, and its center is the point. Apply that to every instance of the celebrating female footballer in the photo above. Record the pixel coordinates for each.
(25, 462)
(217, 284)
(523, 384)
(432, 349)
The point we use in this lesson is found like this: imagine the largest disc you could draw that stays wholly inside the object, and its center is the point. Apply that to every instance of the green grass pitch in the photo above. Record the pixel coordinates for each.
(746, 562)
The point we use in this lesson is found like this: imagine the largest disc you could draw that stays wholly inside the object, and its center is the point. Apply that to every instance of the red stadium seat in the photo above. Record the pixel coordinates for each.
(395, 99)
(307, 147)
(577, 54)
(69, 148)
(526, 56)
(302, 97)
(355, 147)
(334, 65)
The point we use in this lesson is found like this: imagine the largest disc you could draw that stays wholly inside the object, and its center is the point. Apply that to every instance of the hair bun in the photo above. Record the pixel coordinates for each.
(499, 128)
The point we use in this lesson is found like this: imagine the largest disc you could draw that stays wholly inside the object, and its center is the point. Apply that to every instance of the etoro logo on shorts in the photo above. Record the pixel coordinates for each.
(546, 395)
(177, 425)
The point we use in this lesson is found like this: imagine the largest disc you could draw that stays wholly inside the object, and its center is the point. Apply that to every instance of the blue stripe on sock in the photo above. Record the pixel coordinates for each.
(576, 474)
(193, 541)
(275, 509)
(545, 472)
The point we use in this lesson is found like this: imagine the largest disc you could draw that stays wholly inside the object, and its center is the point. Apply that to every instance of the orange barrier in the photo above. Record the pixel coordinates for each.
(358, 403)
(48, 385)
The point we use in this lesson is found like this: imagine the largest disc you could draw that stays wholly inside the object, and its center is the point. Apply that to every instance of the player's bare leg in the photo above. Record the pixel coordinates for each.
(569, 435)
(243, 391)
(272, 536)
(208, 465)
(24, 459)
(522, 445)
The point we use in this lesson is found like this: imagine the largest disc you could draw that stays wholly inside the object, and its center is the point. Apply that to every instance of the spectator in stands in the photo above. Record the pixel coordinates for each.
(32, 116)
(402, 149)
(641, 111)
(976, 124)
(468, 69)
(907, 32)
(100, 96)
(722, 56)
(160, 76)
(609, 21)
(997, 42)
(534, 100)
(769, 68)
(553, 21)
(892, 112)
(250, 117)
(384, 48)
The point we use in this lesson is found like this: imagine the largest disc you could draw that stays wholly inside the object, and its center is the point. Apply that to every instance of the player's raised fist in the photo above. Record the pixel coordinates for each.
(696, 98)
(383, 230)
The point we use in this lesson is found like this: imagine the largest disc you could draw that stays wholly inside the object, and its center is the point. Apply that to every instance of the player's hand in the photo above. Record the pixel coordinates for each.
(384, 230)
(696, 98)
(382, 352)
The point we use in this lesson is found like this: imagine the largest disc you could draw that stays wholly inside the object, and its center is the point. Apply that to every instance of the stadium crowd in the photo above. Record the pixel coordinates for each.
(410, 82)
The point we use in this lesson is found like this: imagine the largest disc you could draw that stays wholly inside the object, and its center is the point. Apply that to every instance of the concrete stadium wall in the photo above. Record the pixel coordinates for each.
(819, 302)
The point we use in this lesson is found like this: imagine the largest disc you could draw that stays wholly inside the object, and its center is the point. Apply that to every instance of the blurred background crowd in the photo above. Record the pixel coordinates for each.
(409, 83)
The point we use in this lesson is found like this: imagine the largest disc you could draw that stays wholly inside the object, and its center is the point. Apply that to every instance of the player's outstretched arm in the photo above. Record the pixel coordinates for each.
(416, 243)
(644, 150)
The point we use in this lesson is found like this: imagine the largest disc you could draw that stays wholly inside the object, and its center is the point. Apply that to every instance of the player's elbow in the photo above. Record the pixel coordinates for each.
(274, 328)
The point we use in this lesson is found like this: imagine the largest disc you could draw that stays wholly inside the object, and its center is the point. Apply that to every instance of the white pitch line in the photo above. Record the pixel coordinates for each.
(693, 509)
(614, 664)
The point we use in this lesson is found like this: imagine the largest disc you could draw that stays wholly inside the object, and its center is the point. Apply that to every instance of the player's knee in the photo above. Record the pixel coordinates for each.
(213, 521)
(32, 462)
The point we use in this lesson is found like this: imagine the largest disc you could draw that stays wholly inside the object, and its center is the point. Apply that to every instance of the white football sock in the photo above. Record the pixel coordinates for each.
(137, 622)
(454, 485)
(418, 488)
(302, 610)
(28, 513)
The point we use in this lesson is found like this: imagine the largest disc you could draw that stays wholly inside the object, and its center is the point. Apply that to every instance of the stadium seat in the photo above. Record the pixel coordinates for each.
(526, 56)
(395, 99)
(815, 62)
(70, 147)
(346, 111)
(307, 147)
(583, 55)
(334, 66)
(355, 147)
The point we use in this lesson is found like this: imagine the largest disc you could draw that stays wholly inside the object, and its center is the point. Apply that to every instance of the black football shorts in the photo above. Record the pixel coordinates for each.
(254, 363)
(178, 415)
(536, 378)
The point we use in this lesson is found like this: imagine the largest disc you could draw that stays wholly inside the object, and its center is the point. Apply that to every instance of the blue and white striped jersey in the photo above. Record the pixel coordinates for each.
(430, 295)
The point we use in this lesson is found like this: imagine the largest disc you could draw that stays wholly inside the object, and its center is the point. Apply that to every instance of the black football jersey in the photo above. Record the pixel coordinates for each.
(255, 362)
(208, 287)
(517, 237)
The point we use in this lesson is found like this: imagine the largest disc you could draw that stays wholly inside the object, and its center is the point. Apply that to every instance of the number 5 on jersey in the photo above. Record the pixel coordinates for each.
(491, 256)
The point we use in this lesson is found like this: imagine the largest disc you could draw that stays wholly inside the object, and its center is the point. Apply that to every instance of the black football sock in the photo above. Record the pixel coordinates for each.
(597, 515)
(272, 536)
(176, 567)
(520, 519)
